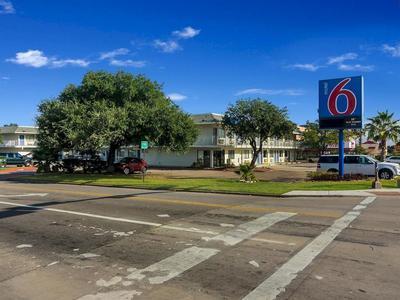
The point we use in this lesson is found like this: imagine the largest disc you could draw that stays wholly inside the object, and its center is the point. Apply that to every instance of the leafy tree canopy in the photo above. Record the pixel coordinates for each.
(256, 120)
(113, 110)
(382, 128)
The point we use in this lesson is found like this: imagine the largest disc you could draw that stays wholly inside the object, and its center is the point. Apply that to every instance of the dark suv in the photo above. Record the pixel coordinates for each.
(16, 159)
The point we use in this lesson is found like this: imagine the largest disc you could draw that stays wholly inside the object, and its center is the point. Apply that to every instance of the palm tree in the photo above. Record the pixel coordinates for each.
(382, 128)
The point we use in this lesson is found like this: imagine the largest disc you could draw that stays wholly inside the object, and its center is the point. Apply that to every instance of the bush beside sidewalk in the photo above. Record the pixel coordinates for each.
(217, 185)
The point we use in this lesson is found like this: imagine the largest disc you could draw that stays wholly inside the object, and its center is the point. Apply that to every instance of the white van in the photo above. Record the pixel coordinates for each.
(358, 164)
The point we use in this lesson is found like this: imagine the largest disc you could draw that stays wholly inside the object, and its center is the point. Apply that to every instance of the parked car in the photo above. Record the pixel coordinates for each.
(72, 164)
(131, 164)
(358, 164)
(16, 159)
(393, 159)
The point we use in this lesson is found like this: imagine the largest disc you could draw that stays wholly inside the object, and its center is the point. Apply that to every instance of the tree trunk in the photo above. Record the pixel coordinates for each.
(383, 151)
(254, 159)
(111, 157)
(256, 153)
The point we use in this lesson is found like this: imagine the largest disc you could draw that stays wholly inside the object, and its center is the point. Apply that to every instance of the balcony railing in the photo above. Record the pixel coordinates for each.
(232, 142)
(14, 143)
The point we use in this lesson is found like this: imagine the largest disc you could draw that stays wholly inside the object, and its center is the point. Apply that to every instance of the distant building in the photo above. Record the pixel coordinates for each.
(371, 147)
(18, 139)
(397, 147)
(213, 148)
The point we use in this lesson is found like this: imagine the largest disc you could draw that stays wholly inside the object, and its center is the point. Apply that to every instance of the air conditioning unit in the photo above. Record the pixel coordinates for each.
(221, 141)
(231, 141)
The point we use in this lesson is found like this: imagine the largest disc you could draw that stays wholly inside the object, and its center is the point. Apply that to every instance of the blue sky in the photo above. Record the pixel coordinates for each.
(206, 54)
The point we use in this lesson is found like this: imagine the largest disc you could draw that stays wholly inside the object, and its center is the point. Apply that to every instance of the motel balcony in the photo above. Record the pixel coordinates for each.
(18, 144)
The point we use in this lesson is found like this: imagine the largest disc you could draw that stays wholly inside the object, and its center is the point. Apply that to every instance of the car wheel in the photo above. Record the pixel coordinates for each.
(126, 171)
(333, 171)
(385, 174)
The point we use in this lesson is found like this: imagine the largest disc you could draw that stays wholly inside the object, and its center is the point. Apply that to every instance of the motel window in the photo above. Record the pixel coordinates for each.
(246, 154)
(231, 154)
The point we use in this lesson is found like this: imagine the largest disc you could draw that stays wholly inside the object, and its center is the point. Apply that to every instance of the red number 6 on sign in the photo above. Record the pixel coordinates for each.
(334, 96)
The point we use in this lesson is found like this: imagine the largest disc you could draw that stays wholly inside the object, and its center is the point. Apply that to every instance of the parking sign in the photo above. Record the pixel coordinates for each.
(341, 103)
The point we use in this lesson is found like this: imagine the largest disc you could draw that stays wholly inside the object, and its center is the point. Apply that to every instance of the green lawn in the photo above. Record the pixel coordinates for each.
(204, 184)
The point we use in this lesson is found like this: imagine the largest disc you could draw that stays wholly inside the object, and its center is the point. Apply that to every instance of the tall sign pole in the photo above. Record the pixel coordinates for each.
(341, 106)
(341, 153)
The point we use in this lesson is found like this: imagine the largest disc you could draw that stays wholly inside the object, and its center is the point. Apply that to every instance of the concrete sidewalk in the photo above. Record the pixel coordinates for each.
(355, 193)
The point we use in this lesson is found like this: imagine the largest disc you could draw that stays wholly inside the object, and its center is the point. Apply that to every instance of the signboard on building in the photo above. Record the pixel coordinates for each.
(341, 103)
(144, 145)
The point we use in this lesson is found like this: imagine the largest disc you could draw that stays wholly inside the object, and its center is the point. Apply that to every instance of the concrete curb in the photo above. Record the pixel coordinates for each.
(355, 193)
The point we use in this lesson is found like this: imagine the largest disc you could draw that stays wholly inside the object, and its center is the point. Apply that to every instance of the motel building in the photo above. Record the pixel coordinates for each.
(18, 139)
(214, 149)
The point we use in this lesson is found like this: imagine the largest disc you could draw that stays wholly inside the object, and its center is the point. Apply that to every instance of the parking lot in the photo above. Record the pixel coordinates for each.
(80, 242)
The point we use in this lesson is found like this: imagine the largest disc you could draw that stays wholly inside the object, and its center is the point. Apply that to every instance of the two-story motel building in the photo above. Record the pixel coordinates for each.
(213, 148)
(18, 139)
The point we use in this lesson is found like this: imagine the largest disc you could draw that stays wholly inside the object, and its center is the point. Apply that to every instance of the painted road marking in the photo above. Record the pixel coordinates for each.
(178, 263)
(273, 241)
(277, 282)
(174, 265)
(25, 195)
(139, 222)
(240, 207)
(246, 230)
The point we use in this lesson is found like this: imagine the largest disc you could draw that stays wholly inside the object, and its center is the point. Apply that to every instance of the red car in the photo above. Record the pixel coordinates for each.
(131, 164)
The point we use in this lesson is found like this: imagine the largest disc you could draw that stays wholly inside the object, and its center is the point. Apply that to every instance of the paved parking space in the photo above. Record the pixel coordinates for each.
(77, 242)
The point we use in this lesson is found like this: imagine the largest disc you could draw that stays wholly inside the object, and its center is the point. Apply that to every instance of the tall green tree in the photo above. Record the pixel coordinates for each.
(382, 128)
(256, 120)
(113, 110)
(318, 139)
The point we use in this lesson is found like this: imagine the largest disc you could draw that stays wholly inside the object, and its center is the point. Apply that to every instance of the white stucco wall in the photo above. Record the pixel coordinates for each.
(156, 158)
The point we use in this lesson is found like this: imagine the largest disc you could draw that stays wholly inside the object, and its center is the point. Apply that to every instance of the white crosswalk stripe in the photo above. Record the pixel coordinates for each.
(277, 282)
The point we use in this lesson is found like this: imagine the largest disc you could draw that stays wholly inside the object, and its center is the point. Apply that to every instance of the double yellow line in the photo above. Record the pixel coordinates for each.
(241, 207)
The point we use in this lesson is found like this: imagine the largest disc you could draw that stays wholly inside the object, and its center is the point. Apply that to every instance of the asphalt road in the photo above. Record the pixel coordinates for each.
(77, 242)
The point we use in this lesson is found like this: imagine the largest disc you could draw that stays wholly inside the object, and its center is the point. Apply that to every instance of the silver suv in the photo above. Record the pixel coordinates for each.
(358, 164)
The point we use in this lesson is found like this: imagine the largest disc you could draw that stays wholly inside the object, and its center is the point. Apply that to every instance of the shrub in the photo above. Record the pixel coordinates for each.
(247, 173)
(329, 176)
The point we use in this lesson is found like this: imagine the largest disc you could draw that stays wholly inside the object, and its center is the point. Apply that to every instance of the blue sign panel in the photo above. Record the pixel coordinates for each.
(341, 103)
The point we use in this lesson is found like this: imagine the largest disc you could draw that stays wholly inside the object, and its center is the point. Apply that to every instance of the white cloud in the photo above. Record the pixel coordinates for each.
(5, 78)
(69, 62)
(128, 63)
(37, 59)
(186, 33)
(392, 50)
(6, 7)
(306, 67)
(176, 97)
(342, 58)
(114, 53)
(30, 58)
(356, 67)
(167, 46)
(284, 92)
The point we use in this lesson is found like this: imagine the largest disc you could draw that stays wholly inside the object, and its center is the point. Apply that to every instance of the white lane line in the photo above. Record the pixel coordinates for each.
(24, 195)
(82, 214)
(272, 241)
(277, 282)
(174, 265)
(367, 200)
(246, 230)
(178, 263)
(189, 229)
(159, 225)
